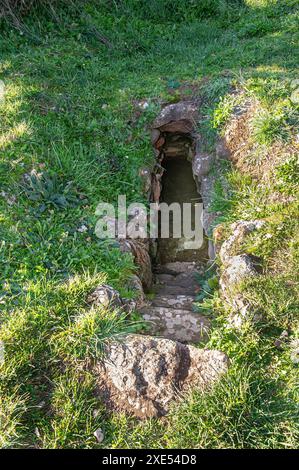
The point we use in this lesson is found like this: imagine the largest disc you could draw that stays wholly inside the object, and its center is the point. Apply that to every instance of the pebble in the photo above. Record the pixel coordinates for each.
(99, 435)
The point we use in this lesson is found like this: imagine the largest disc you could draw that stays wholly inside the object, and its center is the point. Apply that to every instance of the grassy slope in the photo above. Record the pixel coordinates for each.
(70, 112)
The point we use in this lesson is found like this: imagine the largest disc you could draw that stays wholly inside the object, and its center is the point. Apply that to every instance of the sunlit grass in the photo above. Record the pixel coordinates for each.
(71, 115)
(7, 138)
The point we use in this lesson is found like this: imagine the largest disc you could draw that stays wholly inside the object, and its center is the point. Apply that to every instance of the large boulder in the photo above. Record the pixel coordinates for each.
(178, 117)
(143, 375)
(202, 164)
(240, 230)
(237, 269)
(108, 297)
(139, 249)
(242, 312)
(104, 295)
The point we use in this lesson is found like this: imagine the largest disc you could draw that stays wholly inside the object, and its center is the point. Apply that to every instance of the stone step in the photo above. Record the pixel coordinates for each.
(171, 289)
(179, 278)
(164, 278)
(174, 301)
(177, 324)
(178, 267)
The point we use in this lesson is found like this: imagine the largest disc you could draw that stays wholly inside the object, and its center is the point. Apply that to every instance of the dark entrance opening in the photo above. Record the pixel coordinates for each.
(178, 266)
(178, 186)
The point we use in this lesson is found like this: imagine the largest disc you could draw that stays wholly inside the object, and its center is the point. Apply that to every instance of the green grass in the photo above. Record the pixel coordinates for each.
(73, 135)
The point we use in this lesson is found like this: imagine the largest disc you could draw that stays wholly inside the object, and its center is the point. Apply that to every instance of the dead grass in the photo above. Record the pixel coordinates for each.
(251, 158)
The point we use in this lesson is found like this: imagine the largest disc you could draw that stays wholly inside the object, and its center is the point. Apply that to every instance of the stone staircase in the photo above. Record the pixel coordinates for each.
(170, 313)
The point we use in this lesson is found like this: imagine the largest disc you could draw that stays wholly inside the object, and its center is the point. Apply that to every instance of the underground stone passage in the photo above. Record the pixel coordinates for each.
(171, 312)
(178, 186)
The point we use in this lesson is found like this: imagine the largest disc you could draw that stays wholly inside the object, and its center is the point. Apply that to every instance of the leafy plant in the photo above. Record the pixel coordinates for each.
(208, 284)
(49, 191)
(267, 90)
(224, 110)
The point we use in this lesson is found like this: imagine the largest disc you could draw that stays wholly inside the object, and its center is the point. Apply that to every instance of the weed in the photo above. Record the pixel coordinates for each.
(275, 125)
(224, 110)
(287, 175)
(48, 191)
(88, 333)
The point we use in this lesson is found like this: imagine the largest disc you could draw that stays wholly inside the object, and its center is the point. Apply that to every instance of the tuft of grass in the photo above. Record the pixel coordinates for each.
(12, 409)
(270, 126)
(88, 333)
(175, 10)
(75, 413)
(224, 110)
(276, 299)
(14, 10)
(243, 411)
